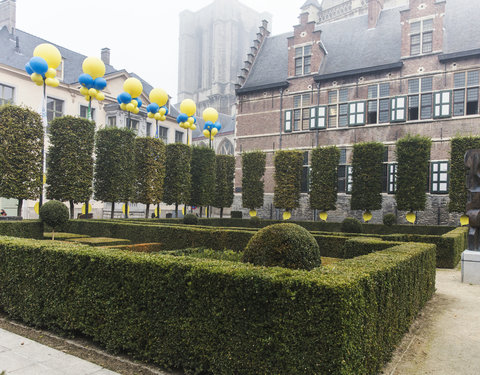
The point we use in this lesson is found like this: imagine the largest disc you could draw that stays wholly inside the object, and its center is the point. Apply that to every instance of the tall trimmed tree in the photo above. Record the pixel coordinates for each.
(178, 180)
(70, 160)
(323, 178)
(253, 169)
(203, 177)
(149, 171)
(413, 156)
(224, 175)
(367, 176)
(457, 191)
(288, 174)
(21, 145)
(115, 166)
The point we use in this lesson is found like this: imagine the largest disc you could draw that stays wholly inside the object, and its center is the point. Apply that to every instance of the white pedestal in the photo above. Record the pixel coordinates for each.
(471, 267)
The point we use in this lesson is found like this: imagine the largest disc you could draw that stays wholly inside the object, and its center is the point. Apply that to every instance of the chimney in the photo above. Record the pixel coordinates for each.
(374, 9)
(8, 10)
(105, 55)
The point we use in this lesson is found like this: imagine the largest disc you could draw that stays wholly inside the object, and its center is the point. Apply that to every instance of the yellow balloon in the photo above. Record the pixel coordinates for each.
(51, 73)
(287, 215)
(128, 208)
(133, 86)
(92, 92)
(36, 77)
(89, 208)
(323, 215)
(191, 120)
(206, 133)
(162, 111)
(136, 110)
(94, 67)
(464, 220)
(157, 116)
(36, 207)
(367, 216)
(411, 217)
(150, 115)
(188, 107)
(193, 126)
(252, 213)
(163, 118)
(83, 91)
(123, 106)
(134, 102)
(100, 96)
(52, 82)
(210, 114)
(158, 96)
(39, 83)
(50, 53)
(130, 107)
(87, 97)
(214, 132)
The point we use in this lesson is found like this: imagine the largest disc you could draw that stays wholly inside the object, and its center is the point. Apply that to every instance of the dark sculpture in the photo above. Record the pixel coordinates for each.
(472, 162)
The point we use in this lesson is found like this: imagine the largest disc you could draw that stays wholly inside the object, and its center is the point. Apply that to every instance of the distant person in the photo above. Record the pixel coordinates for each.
(3, 213)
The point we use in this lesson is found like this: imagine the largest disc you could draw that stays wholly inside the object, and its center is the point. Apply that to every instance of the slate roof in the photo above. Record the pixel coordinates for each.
(353, 48)
(27, 43)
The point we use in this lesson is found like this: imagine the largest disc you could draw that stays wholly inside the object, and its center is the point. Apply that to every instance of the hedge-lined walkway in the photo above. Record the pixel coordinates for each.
(445, 339)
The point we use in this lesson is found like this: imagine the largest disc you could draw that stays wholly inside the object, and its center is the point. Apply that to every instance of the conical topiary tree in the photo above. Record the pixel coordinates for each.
(177, 183)
(253, 169)
(224, 175)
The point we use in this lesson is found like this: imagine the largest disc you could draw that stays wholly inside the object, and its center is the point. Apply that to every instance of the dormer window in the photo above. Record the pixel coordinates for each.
(303, 60)
(421, 37)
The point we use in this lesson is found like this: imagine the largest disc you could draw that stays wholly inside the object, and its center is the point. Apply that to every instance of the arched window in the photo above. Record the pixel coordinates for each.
(225, 147)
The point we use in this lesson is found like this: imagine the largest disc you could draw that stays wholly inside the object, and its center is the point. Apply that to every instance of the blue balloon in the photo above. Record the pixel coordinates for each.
(139, 101)
(194, 120)
(217, 125)
(28, 69)
(86, 80)
(100, 83)
(118, 99)
(208, 125)
(125, 97)
(182, 117)
(153, 107)
(166, 110)
(38, 65)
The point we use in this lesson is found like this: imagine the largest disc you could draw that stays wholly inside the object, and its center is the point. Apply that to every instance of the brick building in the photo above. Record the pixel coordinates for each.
(409, 69)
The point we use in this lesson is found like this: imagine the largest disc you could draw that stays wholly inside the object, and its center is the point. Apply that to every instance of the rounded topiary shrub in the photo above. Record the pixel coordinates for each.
(389, 219)
(54, 214)
(351, 225)
(190, 219)
(283, 245)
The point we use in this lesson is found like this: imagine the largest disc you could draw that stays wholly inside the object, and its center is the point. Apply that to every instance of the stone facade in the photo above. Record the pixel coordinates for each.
(420, 84)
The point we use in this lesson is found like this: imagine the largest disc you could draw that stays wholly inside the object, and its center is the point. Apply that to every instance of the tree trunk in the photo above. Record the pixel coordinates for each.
(126, 208)
(221, 212)
(147, 211)
(158, 210)
(19, 207)
(86, 209)
(201, 209)
(113, 210)
(53, 234)
(176, 210)
(72, 209)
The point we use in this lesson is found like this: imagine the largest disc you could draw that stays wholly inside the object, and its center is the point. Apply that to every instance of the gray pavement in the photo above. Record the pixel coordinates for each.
(22, 356)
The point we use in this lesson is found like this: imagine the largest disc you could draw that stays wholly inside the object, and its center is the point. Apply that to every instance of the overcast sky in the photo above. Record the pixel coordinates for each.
(142, 34)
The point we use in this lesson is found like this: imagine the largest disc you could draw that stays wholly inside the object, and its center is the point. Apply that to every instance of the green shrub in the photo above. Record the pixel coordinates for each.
(22, 228)
(323, 178)
(255, 221)
(351, 225)
(236, 214)
(190, 219)
(203, 253)
(205, 316)
(288, 175)
(54, 214)
(389, 219)
(283, 245)
(356, 246)
(99, 241)
(253, 169)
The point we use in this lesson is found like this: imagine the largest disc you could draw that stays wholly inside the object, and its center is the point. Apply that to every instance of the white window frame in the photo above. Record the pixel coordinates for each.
(442, 104)
(357, 113)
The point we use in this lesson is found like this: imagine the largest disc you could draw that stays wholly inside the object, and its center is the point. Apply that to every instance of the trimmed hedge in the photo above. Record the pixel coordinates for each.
(288, 175)
(99, 241)
(356, 246)
(323, 178)
(457, 191)
(22, 228)
(219, 317)
(253, 169)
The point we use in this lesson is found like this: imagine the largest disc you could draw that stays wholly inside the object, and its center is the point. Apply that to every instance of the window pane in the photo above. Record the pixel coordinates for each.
(428, 25)
(305, 99)
(307, 50)
(472, 95)
(343, 156)
(384, 110)
(472, 79)
(343, 93)
(332, 97)
(384, 89)
(415, 27)
(459, 80)
(298, 52)
(372, 91)
(413, 86)
(296, 101)
(426, 111)
(427, 84)
(458, 102)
